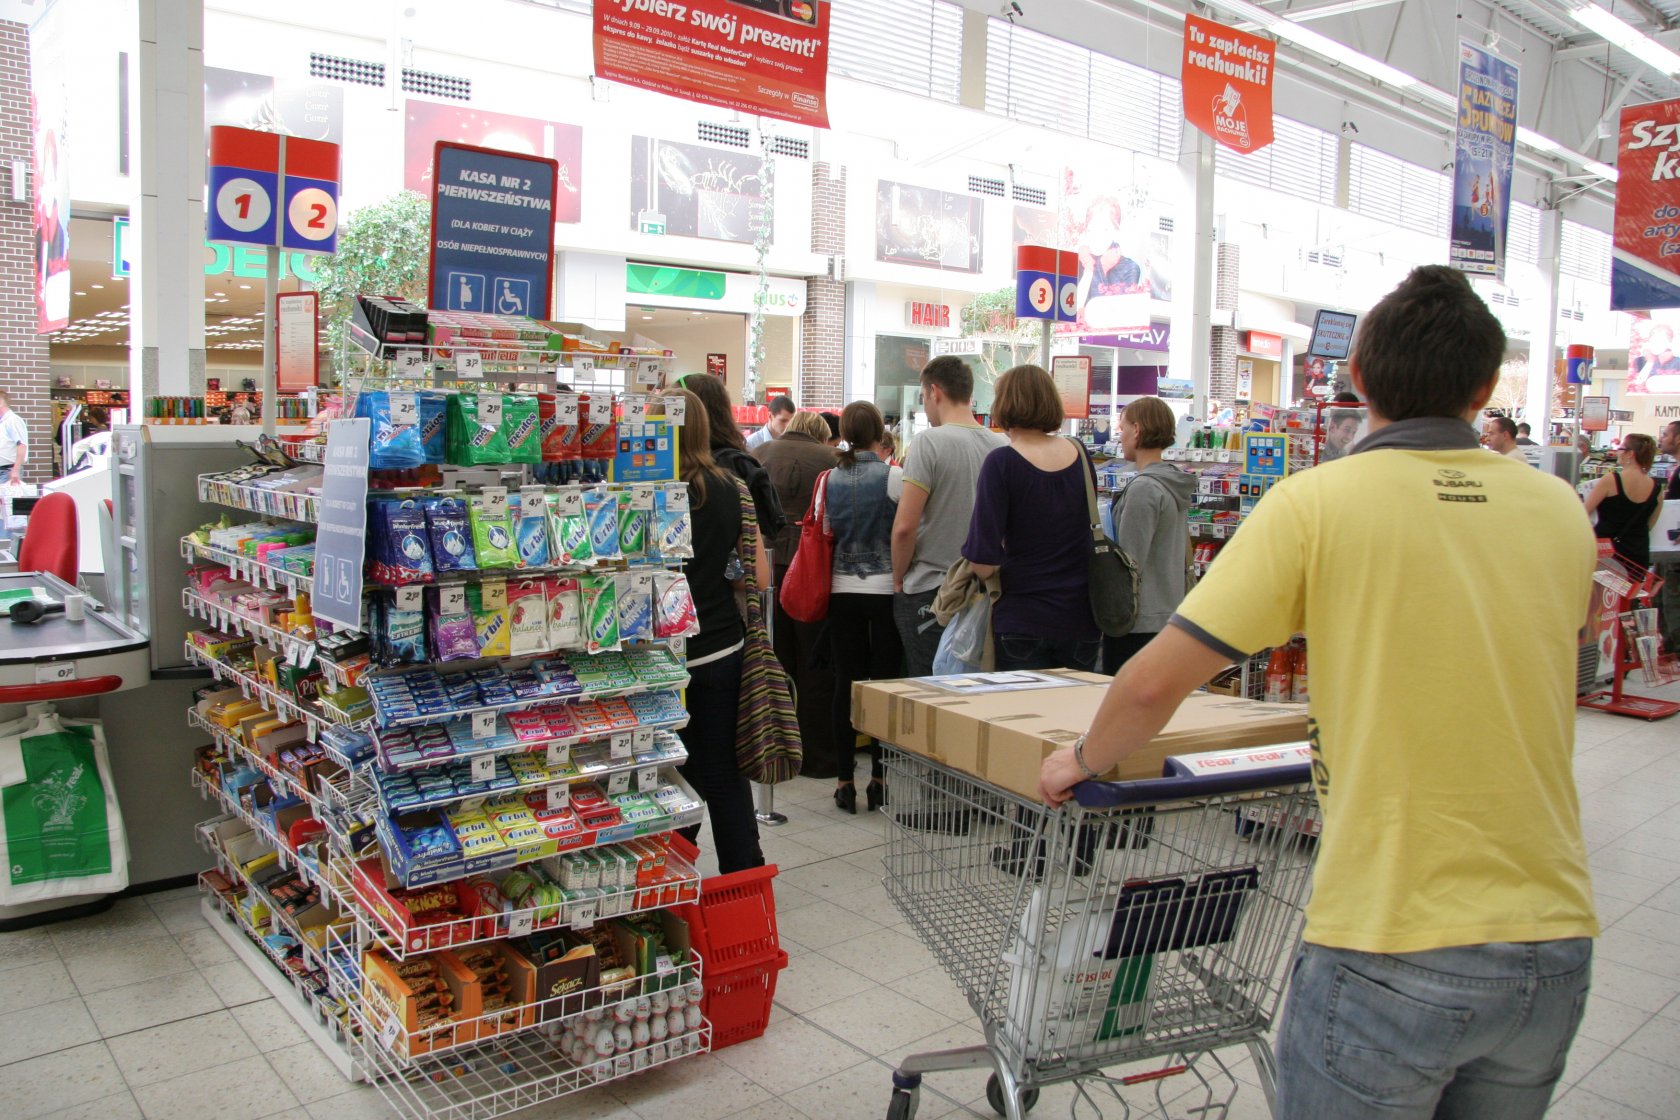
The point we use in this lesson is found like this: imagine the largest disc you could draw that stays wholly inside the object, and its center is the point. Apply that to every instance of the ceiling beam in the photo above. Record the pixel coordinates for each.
(1333, 8)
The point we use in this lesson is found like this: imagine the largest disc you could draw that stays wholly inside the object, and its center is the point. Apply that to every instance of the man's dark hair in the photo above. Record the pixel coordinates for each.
(1505, 424)
(1430, 347)
(833, 423)
(1345, 397)
(953, 377)
(782, 406)
(1523, 429)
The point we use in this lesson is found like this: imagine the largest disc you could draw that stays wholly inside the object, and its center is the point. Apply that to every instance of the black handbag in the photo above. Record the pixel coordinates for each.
(1113, 575)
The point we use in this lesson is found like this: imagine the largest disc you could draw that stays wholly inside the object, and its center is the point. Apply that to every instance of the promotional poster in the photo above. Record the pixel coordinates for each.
(427, 122)
(313, 110)
(1645, 270)
(1653, 365)
(1487, 134)
(49, 70)
(686, 190)
(927, 227)
(1227, 79)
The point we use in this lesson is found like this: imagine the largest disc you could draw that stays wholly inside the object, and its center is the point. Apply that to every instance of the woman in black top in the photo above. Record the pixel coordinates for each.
(729, 448)
(714, 655)
(1627, 502)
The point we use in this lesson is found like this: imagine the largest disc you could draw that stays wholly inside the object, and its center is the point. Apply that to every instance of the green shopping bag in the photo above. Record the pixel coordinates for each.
(56, 822)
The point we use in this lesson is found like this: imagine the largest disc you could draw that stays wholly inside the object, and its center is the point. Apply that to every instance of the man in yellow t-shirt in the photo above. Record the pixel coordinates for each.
(1448, 944)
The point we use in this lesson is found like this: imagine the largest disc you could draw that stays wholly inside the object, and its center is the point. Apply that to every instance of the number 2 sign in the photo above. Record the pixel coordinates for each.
(246, 180)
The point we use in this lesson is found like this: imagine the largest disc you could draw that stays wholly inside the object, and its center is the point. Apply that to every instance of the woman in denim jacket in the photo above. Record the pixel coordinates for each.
(859, 514)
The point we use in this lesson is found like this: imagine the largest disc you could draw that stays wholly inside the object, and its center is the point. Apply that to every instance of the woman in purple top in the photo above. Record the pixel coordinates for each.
(1031, 523)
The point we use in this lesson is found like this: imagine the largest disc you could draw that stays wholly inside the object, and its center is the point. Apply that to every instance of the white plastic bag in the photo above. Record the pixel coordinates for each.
(962, 647)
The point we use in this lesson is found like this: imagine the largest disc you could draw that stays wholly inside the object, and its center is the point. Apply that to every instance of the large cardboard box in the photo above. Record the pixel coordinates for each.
(1000, 727)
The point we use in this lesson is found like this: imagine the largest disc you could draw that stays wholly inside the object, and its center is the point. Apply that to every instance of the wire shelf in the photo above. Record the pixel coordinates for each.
(252, 571)
(297, 649)
(291, 505)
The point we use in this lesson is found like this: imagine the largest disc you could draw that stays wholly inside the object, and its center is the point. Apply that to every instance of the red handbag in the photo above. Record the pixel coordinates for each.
(805, 591)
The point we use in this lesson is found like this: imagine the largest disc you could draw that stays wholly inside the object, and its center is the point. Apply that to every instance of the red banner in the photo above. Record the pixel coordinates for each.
(1227, 79)
(1645, 268)
(758, 56)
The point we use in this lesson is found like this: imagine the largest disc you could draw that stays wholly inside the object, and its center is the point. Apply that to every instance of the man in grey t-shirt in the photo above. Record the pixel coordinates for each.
(934, 510)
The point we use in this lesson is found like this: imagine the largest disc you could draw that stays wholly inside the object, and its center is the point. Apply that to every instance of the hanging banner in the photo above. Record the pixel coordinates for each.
(1487, 134)
(755, 56)
(1645, 271)
(1227, 80)
(49, 70)
(492, 231)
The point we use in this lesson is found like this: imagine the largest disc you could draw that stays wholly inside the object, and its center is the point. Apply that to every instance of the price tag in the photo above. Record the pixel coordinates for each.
(559, 798)
(558, 755)
(312, 731)
(583, 366)
(469, 363)
(570, 502)
(410, 362)
(409, 597)
(493, 593)
(490, 410)
(600, 409)
(676, 498)
(641, 740)
(495, 501)
(662, 964)
(635, 408)
(619, 782)
(647, 371)
(483, 727)
(521, 924)
(647, 779)
(405, 410)
(566, 410)
(452, 599)
(641, 496)
(584, 911)
(676, 409)
(55, 671)
(1224, 456)
(472, 804)
(483, 768)
(618, 747)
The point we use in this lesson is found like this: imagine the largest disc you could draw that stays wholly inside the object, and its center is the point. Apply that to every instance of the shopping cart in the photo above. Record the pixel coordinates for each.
(1152, 920)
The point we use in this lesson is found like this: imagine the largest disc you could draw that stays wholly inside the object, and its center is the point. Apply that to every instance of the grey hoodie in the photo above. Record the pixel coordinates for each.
(1152, 527)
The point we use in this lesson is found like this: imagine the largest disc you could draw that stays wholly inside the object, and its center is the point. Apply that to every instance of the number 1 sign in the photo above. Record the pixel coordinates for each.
(267, 189)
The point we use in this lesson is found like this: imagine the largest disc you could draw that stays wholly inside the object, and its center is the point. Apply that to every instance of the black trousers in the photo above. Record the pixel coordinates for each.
(802, 648)
(714, 692)
(1117, 651)
(865, 644)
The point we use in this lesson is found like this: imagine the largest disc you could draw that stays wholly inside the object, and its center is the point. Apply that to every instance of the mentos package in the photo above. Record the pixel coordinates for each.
(568, 529)
(674, 615)
(433, 417)
(492, 539)
(520, 424)
(548, 428)
(633, 524)
(487, 603)
(528, 610)
(602, 505)
(475, 433)
(568, 414)
(600, 612)
(451, 536)
(673, 533)
(600, 433)
(635, 606)
(565, 619)
(394, 434)
(528, 513)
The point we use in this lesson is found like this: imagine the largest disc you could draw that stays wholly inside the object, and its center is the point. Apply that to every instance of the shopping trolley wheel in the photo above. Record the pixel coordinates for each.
(994, 1097)
(903, 1105)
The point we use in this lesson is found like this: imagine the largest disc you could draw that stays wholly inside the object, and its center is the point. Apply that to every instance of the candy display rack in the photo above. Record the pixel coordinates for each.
(454, 871)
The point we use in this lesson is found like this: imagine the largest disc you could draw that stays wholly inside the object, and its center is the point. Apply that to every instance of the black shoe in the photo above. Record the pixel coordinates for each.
(876, 793)
(1012, 858)
(953, 822)
(845, 796)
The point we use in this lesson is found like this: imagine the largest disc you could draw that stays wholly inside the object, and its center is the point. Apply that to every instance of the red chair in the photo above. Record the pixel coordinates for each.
(49, 542)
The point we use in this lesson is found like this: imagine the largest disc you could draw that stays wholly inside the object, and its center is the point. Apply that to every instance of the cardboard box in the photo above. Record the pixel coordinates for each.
(1001, 730)
(392, 1002)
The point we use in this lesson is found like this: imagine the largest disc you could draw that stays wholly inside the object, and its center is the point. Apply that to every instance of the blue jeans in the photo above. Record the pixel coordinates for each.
(1477, 1032)
(1016, 652)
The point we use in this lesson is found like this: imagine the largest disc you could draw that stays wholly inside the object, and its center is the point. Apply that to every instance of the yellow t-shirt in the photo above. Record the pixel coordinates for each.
(1441, 593)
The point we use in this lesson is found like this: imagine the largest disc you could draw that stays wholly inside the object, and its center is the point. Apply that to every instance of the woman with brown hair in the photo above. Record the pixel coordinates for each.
(718, 502)
(729, 448)
(859, 511)
(1151, 523)
(1031, 524)
(1627, 501)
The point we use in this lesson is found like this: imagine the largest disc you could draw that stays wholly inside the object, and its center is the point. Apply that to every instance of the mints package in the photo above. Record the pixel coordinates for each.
(569, 529)
(451, 537)
(492, 541)
(520, 425)
(565, 619)
(475, 434)
(528, 610)
(394, 434)
(600, 610)
(528, 512)
(433, 422)
(674, 615)
(603, 523)
(635, 606)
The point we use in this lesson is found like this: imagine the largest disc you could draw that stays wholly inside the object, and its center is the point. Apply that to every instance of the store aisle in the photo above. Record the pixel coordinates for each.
(144, 1012)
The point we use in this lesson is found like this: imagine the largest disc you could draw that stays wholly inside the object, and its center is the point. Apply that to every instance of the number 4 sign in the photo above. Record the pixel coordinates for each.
(268, 189)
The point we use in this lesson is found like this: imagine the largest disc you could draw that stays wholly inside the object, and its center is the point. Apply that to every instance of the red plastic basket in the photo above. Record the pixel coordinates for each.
(738, 1003)
(733, 926)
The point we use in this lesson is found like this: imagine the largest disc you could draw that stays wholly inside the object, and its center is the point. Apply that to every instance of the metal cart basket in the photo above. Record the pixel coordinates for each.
(1151, 920)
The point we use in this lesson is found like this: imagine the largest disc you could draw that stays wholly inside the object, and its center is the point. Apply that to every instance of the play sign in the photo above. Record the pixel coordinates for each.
(269, 189)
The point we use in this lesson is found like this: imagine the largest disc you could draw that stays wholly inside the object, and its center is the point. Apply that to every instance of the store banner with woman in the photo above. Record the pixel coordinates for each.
(49, 70)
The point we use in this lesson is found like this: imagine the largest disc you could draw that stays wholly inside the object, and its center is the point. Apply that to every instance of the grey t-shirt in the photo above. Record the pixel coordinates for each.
(945, 462)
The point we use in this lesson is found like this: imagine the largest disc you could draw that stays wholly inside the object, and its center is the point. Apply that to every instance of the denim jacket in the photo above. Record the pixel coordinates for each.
(860, 516)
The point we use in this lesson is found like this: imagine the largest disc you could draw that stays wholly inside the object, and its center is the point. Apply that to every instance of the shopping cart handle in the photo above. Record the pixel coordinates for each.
(1153, 791)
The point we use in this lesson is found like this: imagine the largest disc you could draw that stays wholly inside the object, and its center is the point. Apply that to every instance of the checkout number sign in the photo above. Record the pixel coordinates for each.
(340, 537)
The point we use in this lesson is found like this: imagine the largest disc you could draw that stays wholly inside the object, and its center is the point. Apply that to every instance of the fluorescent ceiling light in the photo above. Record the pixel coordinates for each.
(1602, 170)
(1620, 33)
(1322, 45)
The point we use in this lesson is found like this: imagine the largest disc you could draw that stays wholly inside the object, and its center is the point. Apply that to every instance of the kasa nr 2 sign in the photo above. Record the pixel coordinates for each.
(492, 231)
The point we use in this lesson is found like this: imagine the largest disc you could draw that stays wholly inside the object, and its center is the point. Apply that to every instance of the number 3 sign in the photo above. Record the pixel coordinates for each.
(246, 176)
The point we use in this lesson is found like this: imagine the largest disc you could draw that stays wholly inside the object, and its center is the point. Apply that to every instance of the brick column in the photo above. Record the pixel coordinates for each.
(822, 367)
(25, 372)
(1222, 369)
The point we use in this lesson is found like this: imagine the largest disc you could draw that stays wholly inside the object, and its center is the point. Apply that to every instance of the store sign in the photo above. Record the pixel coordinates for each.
(244, 262)
(1156, 336)
(1645, 270)
(342, 528)
(1595, 414)
(759, 56)
(933, 315)
(1046, 283)
(1263, 345)
(297, 336)
(267, 189)
(694, 289)
(717, 365)
(960, 347)
(1486, 147)
(1227, 80)
(492, 231)
(1072, 375)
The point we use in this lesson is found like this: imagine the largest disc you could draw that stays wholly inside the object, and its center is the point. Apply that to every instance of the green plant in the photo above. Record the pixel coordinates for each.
(382, 250)
(1005, 340)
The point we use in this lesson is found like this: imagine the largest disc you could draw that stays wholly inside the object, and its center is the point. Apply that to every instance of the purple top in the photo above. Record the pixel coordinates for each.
(1035, 527)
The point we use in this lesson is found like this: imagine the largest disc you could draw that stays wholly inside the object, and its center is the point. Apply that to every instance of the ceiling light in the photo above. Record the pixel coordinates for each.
(246, 287)
(1322, 45)
(1617, 32)
(647, 316)
(96, 285)
(1602, 170)
(81, 293)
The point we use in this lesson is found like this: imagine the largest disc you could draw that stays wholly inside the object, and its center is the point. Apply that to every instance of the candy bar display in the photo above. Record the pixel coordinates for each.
(444, 834)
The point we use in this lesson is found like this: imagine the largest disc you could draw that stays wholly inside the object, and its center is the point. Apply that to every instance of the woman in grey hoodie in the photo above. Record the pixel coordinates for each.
(1151, 524)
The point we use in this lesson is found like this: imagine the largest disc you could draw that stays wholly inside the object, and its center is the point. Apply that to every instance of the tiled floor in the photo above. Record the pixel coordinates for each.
(143, 1011)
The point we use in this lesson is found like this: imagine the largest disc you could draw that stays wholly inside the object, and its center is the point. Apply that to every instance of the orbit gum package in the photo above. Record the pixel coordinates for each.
(632, 527)
(603, 523)
(492, 542)
(600, 612)
(673, 533)
(568, 528)
(490, 620)
(446, 523)
(528, 513)
(635, 606)
(565, 621)
(520, 423)
(528, 615)
(674, 615)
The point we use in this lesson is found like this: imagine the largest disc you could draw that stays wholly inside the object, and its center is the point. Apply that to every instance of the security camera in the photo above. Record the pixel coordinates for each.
(1011, 10)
